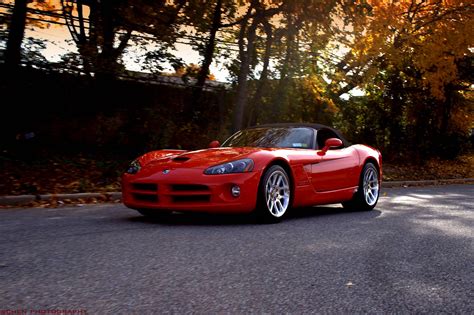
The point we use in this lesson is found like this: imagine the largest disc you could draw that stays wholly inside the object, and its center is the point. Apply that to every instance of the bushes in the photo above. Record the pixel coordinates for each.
(67, 113)
(402, 131)
(72, 114)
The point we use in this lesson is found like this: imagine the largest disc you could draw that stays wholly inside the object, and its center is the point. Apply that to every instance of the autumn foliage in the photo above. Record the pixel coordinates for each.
(393, 74)
(414, 59)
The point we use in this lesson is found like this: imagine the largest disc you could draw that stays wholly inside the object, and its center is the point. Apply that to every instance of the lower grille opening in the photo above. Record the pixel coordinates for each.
(192, 198)
(147, 198)
(145, 186)
(189, 187)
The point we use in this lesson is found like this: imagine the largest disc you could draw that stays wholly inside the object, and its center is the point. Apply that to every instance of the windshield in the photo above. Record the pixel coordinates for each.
(273, 137)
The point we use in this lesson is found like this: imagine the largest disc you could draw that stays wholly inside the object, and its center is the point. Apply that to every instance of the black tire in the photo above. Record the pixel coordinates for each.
(154, 214)
(274, 195)
(368, 192)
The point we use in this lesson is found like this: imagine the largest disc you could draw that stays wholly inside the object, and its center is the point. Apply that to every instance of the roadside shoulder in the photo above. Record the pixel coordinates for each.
(25, 200)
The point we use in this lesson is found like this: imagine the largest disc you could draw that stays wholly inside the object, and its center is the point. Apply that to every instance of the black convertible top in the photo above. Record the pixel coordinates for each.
(307, 125)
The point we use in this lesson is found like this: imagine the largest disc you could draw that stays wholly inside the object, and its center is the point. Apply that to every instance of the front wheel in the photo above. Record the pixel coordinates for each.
(274, 195)
(368, 191)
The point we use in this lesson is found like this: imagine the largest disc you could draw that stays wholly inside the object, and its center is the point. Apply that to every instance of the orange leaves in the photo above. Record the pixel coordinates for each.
(47, 5)
(429, 36)
(434, 168)
(61, 175)
(43, 5)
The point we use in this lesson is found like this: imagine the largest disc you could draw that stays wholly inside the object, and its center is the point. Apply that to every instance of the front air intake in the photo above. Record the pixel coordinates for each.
(191, 198)
(144, 186)
(189, 187)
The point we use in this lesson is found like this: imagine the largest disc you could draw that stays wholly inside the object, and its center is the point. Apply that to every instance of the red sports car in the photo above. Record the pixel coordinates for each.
(267, 169)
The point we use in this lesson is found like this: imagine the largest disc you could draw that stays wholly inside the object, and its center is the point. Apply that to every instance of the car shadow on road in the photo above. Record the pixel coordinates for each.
(181, 218)
(319, 211)
(188, 218)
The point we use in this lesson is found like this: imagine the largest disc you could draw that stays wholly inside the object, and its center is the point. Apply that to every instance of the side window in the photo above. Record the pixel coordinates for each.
(323, 135)
(300, 138)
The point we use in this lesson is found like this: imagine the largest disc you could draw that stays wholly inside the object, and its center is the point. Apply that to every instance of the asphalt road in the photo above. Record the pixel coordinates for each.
(413, 254)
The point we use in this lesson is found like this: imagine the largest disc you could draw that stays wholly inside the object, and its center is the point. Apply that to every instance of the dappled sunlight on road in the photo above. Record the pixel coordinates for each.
(428, 291)
(453, 215)
(421, 198)
(449, 226)
(412, 254)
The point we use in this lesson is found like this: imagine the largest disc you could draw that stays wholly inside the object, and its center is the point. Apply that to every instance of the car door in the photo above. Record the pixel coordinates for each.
(336, 168)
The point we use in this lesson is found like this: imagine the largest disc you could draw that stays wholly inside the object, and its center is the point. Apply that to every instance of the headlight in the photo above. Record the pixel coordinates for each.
(134, 167)
(239, 166)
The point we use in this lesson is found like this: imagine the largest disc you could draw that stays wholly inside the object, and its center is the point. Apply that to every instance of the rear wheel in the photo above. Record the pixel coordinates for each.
(274, 195)
(368, 191)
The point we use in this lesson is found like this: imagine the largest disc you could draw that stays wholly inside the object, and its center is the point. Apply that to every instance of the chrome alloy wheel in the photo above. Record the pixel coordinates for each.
(277, 193)
(371, 186)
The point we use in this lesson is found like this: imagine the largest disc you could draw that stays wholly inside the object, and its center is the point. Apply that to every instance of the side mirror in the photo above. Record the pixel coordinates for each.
(331, 143)
(214, 144)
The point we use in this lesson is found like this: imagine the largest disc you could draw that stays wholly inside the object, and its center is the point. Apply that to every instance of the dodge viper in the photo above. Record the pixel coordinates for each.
(267, 169)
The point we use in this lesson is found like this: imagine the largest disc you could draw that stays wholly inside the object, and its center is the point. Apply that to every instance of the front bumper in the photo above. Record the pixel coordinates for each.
(191, 190)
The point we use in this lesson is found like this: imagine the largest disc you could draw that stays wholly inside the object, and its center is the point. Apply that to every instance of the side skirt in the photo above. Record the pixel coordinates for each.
(306, 196)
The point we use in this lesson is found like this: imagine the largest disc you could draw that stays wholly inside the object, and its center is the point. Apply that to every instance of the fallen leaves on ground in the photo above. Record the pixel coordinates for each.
(60, 175)
(60, 203)
(462, 167)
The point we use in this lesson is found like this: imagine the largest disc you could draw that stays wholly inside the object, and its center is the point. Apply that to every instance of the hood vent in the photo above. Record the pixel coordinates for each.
(180, 159)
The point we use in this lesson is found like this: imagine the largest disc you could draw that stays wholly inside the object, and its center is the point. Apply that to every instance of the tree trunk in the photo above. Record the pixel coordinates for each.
(16, 34)
(242, 87)
(262, 82)
(210, 46)
(86, 43)
(446, 109)
(106, 67)
(281, 94)
(206, 63)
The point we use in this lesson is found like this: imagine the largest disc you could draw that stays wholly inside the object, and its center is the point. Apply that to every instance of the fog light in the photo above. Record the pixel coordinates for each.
(235, 191)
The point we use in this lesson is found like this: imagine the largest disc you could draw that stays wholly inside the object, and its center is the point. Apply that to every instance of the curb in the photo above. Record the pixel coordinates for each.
(26, 199)
(117, 196)
(432, 182)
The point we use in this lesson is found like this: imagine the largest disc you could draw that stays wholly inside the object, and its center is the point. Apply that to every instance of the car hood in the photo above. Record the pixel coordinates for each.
(200, 159)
